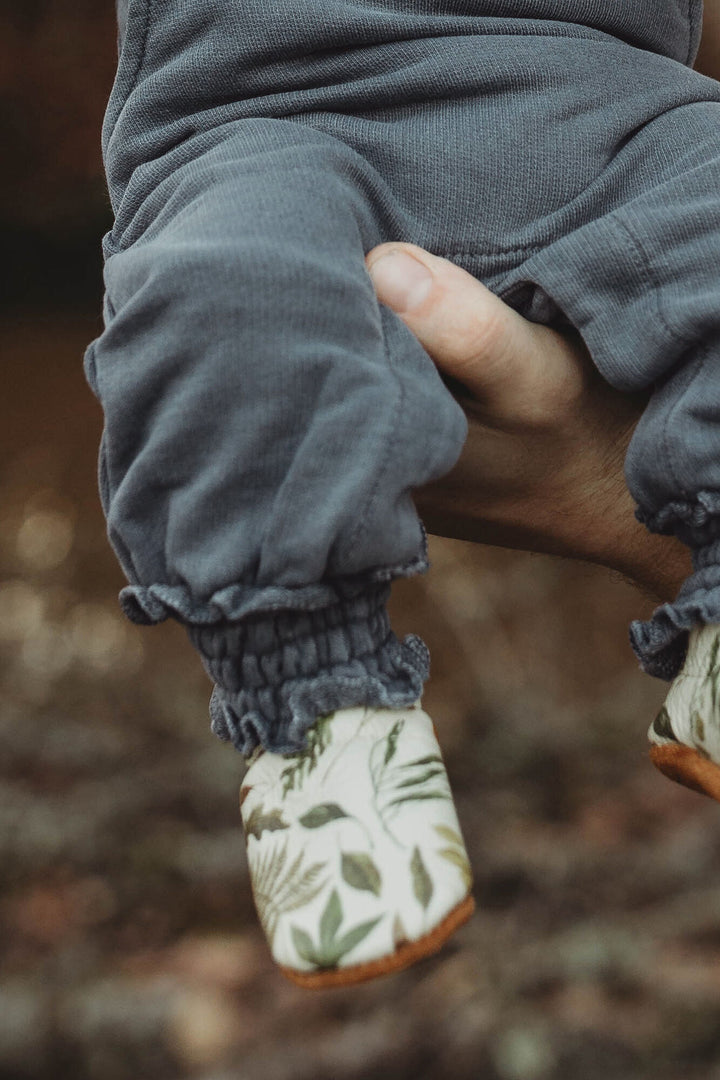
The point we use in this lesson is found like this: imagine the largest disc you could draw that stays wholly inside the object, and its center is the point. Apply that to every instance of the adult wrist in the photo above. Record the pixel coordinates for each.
(608, 536)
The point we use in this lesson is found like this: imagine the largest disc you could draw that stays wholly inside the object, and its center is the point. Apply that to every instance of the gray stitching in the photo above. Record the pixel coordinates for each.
(644, 263)
(644, 266)
(693, 10)
(490, 253)
(674, 409)
(392, 440)
(143, 45)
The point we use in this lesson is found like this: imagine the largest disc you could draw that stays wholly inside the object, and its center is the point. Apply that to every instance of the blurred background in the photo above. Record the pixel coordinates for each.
(128, 942)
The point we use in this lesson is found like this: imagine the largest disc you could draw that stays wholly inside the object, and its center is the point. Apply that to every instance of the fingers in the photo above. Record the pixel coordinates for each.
(469, 332)
(542, 465)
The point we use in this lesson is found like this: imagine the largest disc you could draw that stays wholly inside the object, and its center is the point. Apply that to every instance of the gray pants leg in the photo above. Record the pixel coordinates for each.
(640, 280)
(266, 421)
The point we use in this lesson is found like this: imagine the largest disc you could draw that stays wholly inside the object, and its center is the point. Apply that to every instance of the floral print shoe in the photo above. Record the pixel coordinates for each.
(356, 860)
(685, 735)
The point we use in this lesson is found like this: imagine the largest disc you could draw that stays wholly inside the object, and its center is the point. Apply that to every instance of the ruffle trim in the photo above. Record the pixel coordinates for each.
(276, 673)
(695, 522)
(660, 644)
(151, 604)
(392, 679)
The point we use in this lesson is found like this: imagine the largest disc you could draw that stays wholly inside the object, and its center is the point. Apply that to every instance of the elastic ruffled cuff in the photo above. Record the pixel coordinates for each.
(151, 604)
(661, 643)
(695, 521)
(275, 674)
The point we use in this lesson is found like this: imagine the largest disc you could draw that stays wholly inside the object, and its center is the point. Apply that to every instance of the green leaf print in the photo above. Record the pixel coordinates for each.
(360, 871)
(302, 764)
(662, 725)
(330, 949)
(422, 882)
(330, 921)
(260, 821)
(431, 759)
(395, 784)
(459, 859)
(455, 852)
(304, 944)
(384, 750)
(399, 932)
(278, 890)
(698, 726)
(392, 739)
(419, 796)
(355, 936)
(322, 815)
(714, 676)
(446, 833)
(429, 774)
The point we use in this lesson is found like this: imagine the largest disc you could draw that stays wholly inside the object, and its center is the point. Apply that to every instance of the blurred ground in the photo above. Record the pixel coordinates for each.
(128, 945)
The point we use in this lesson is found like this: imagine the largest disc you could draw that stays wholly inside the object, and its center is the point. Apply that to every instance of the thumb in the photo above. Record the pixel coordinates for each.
(467, 330)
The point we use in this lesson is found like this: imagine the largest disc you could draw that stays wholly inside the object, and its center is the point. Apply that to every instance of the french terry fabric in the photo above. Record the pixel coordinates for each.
(266, 420)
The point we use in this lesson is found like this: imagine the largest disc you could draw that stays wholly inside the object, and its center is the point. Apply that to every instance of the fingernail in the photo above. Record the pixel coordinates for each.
(401, 281)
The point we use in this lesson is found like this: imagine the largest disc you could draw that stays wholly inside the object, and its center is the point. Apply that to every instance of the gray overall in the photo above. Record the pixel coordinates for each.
(266, 420)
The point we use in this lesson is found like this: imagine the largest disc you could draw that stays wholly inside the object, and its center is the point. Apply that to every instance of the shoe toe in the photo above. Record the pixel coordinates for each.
(356, 857)
(685, 735)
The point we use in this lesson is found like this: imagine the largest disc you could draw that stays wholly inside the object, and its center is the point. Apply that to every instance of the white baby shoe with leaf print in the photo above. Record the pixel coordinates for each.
(357, 864)
(685, 734)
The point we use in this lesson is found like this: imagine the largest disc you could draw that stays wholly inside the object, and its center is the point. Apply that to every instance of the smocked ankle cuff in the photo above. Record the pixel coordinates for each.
(276, 673)
(660, 644)
(695, 521)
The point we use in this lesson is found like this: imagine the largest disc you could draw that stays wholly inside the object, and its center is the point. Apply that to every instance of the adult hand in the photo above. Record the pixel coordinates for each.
(542, 469)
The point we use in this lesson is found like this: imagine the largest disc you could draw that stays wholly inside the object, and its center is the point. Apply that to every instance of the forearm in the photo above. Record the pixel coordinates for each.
(608, 535)
(658, 564)
(555, 484)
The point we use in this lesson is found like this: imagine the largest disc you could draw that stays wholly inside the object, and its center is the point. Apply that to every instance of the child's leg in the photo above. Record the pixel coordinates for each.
(641, 284)
(265, 423)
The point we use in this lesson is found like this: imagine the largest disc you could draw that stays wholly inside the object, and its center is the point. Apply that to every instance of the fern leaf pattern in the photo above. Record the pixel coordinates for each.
(304, 762)
(277, 891)
(396, 784)
(353, 844)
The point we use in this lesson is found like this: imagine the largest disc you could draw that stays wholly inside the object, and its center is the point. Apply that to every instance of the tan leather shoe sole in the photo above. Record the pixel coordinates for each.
(407, 954)
(689, 767)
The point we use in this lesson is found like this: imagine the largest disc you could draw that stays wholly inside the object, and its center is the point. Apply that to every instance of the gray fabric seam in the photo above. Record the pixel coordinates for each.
(391, 441)
(141, 54)
(143, 45)
(671, 413)
(489, 253)
(104, 466)
(679, 337)
(645, 262)
(691, 33)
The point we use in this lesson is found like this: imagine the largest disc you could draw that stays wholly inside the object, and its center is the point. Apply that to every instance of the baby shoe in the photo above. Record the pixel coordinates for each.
(685, 735)
(356, 860)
